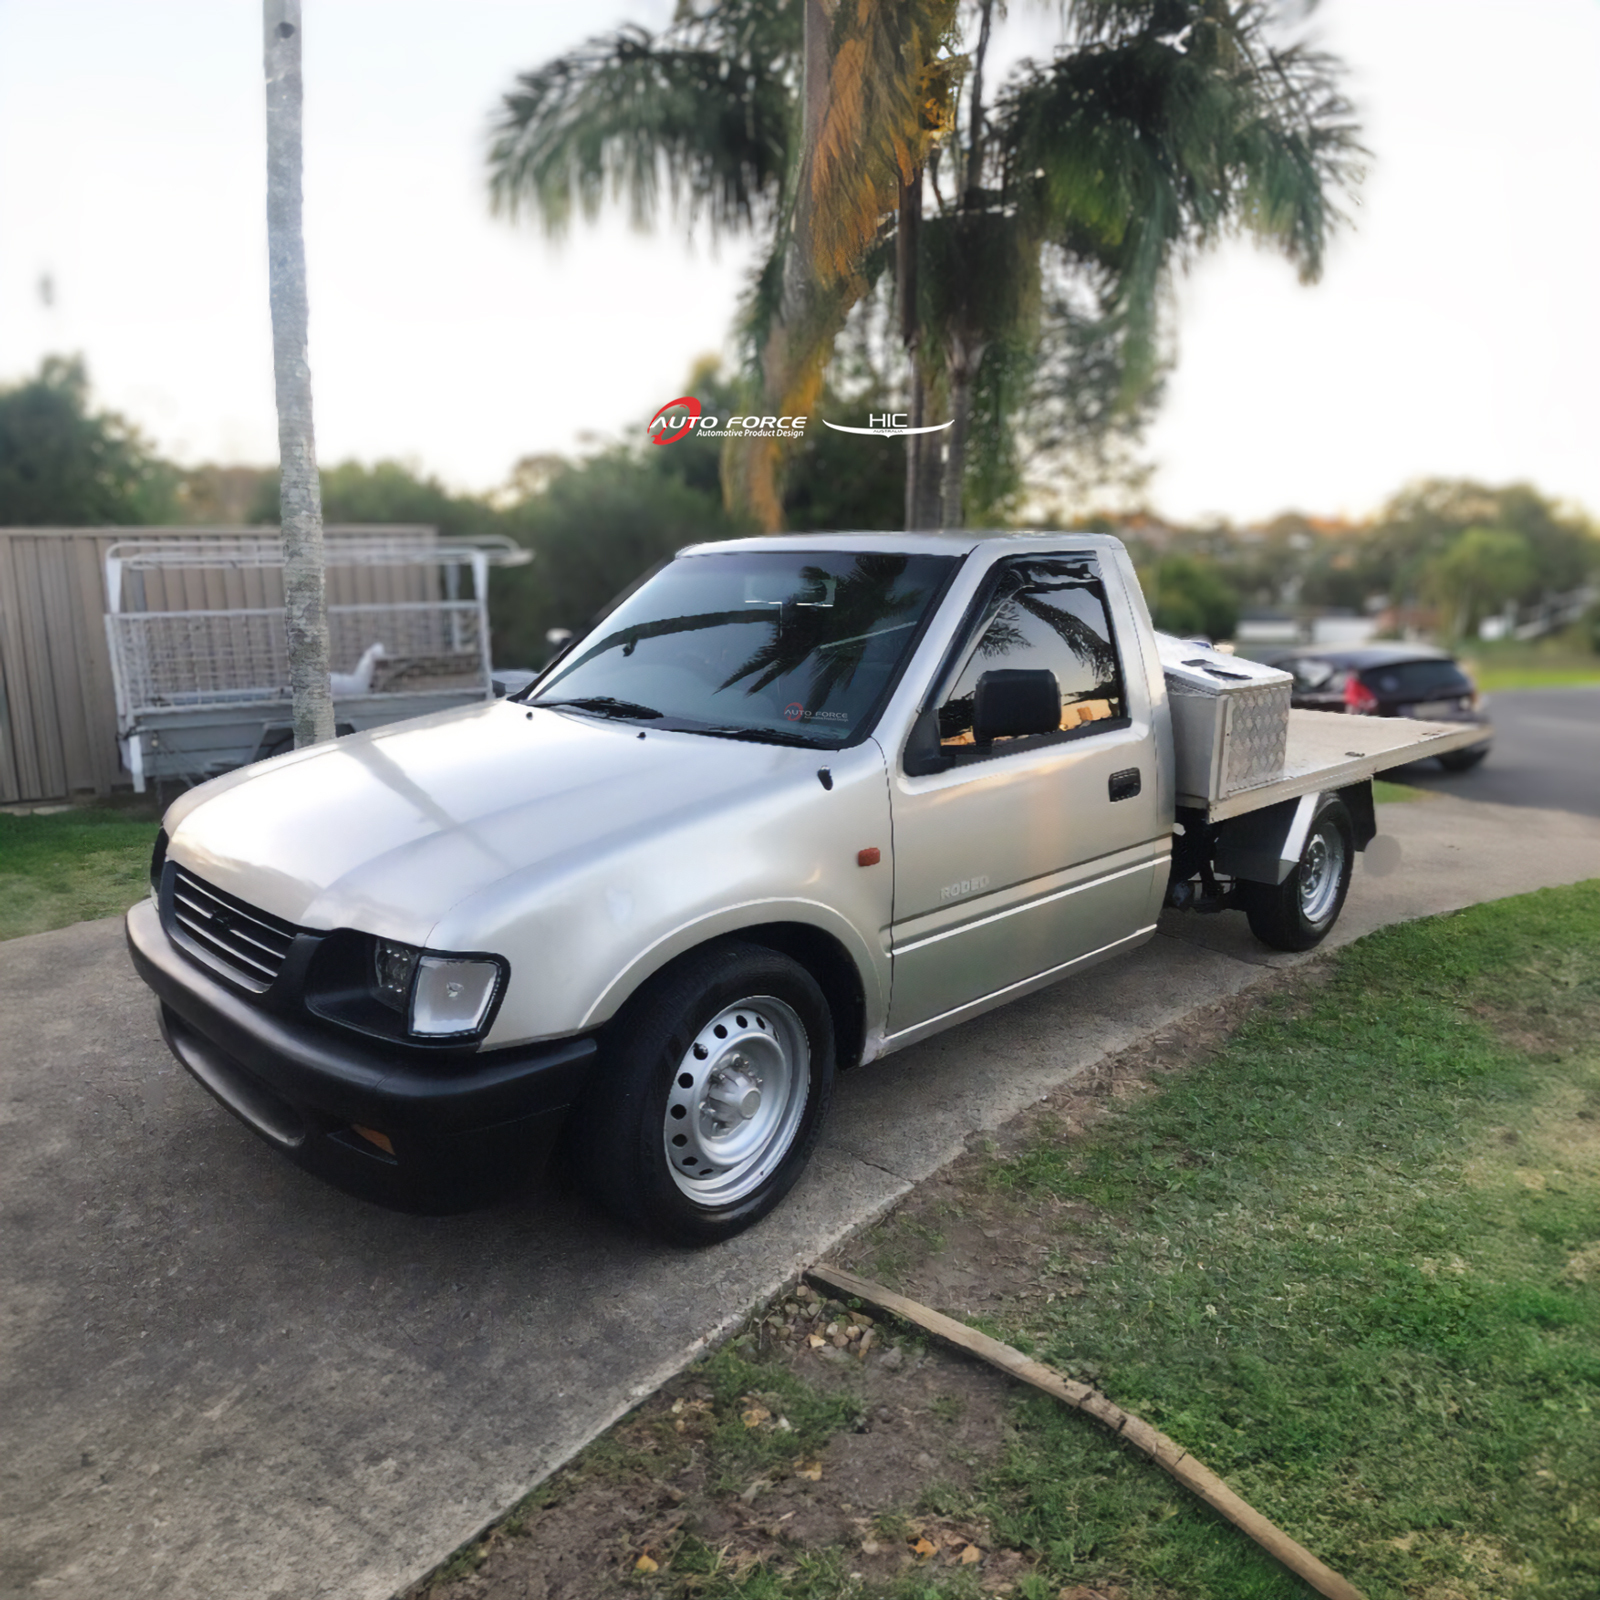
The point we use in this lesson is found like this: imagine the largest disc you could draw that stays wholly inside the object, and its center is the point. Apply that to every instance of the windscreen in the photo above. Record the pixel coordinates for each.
(798, 647)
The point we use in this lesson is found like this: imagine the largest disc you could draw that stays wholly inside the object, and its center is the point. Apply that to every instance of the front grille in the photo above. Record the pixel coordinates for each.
(248, 944)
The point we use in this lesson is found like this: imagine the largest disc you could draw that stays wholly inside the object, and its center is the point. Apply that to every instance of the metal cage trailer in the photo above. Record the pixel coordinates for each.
(199, 654)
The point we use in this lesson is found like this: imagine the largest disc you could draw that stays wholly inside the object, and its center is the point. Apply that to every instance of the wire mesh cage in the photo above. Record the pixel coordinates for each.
(199, 650)
(178, 658)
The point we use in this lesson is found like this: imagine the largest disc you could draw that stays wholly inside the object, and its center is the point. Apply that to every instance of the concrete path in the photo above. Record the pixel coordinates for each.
(218, 1377)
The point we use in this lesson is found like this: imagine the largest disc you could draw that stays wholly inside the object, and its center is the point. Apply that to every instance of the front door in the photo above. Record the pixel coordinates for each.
(1025, 855)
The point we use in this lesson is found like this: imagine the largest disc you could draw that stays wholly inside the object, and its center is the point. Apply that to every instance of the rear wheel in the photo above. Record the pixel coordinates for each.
(1463, 760)
(710, 1096)
(1298, 913)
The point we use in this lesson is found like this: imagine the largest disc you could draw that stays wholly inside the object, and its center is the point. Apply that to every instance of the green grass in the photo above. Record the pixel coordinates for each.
(1353, 1264)
(1538, 677)
(1540, 664)
(70, 866)
(1384, 793)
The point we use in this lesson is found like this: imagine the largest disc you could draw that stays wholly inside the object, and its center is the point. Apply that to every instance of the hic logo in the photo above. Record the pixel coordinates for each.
(891, 425)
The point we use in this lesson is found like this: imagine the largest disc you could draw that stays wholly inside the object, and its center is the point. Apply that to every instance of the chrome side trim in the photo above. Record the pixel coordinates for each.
(988, 1002)
(1027, 905)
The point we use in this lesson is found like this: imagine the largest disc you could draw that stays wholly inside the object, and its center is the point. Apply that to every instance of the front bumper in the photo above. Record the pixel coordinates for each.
(463, 1125)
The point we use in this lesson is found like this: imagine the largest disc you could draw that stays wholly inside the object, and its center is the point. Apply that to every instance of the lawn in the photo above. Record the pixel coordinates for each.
(1341, 1241)
(1386, 793)
(1353, 1263)
(71, 866)
(1540, 664)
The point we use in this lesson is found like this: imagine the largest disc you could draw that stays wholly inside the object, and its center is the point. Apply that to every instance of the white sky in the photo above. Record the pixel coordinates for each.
(1456, 332)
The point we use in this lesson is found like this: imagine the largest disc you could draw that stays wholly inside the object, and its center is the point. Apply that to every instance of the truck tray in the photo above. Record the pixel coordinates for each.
(1329, 749)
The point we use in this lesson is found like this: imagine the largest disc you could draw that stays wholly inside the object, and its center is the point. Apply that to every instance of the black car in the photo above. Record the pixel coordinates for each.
(1388, 680)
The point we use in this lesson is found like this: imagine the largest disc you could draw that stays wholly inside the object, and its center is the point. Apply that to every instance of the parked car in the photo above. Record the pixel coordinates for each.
(1388, 680)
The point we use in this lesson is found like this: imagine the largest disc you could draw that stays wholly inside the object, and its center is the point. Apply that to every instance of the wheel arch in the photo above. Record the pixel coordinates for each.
(829, 963)
(835, 956)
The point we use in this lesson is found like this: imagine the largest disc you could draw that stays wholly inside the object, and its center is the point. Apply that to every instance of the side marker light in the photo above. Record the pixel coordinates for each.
(869, 857)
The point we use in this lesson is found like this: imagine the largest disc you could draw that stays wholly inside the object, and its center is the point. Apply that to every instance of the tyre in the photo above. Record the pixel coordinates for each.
(1297, 913)
(1462, 760)
(709, 1096)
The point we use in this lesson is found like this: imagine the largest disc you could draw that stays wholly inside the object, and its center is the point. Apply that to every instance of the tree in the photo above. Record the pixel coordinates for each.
(1188, 596)
(387, 491)
(1424, 520)
(1480, 570)
(1163, 127)
(304, 578)
(62, 465)
(594, 526)
(799, 121)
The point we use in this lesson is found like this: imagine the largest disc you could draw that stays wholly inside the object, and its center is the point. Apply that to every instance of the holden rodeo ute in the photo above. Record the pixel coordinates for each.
(792, 804)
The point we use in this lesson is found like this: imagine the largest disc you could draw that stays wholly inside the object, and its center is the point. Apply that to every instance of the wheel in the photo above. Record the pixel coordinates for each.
(1463, 760)
(1297, 913)
(709, 1096)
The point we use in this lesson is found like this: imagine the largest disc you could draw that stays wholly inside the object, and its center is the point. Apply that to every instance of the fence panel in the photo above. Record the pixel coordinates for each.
(58, 720)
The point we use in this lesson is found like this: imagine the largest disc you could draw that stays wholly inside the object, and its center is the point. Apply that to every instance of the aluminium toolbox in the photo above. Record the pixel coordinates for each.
(1230, 720)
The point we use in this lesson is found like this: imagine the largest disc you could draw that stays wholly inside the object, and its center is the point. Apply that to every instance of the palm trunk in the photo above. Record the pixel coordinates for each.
(963, 353)
(907, 228)
(963, 368)
(792, 359)
(304, 585)
(922, 449)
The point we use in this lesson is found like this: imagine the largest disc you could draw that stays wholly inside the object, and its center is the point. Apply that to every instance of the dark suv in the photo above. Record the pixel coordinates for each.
(1388, 680)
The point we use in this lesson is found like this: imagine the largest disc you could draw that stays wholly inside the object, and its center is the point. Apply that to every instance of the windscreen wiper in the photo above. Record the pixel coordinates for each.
(762, 736)
(604, 705)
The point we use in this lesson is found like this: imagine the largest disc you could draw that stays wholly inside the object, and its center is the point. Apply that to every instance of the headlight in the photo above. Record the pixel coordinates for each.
(452, 995)
(393, 967)
(440, 996)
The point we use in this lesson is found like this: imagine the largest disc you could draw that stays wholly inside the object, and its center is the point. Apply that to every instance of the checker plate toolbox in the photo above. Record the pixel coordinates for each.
(1230, 720)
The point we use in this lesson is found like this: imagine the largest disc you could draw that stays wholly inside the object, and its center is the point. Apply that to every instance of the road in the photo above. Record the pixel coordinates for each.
(1546, 753)
(220, 1377)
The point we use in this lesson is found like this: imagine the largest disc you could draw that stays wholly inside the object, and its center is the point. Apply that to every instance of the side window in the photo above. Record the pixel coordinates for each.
(1043, 612)
(1310, 675)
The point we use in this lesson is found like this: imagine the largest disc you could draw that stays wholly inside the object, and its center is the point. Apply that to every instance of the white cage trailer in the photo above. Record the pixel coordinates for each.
(199, 655)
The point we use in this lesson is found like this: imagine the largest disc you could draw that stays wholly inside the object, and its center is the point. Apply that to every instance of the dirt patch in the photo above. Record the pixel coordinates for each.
(657, 1503)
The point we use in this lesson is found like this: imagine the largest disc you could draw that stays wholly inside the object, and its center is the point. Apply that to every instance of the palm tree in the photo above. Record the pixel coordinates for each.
(1165, 127)
(1036, 288)
(797, 119)
(304, 587)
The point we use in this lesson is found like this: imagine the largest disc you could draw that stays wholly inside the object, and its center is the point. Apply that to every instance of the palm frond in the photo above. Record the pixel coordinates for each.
(705, 110)
(1175, 123)
(891, 98)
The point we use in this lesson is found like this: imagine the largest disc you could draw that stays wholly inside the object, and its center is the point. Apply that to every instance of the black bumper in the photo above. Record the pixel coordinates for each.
(463, 1125)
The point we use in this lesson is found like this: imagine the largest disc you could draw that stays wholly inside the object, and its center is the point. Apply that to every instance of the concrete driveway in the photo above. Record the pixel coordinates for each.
(218, 1377)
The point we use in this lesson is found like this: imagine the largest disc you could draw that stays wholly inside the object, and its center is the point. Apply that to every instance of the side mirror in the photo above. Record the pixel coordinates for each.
(1014, 703)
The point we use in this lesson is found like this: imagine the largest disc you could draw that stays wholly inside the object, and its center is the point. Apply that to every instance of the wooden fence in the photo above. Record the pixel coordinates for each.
(58, 720)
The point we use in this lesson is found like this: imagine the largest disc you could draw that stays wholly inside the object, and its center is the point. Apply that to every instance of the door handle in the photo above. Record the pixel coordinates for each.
(1124, 785)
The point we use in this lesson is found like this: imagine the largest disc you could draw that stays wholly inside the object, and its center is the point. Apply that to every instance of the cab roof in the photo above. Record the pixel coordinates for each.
(949, 542)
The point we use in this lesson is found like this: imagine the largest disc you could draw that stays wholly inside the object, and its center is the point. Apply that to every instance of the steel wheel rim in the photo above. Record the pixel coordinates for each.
(1321, 871)
(736, 1101)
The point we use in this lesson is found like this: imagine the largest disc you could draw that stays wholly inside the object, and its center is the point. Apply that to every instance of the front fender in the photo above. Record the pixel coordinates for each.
(872, 965)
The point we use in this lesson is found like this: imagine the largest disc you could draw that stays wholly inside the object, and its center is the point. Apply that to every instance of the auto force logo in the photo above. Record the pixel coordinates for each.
(680, 418)
(891, 425)
(795, 711)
